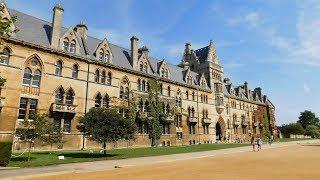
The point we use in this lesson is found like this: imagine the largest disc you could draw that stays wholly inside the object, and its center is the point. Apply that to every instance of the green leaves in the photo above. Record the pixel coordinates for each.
(2, 81)
(106, 125)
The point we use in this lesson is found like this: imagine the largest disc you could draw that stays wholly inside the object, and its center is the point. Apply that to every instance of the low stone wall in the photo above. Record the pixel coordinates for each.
(299, 136)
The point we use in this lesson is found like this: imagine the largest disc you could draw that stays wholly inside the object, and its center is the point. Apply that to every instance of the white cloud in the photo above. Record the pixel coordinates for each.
(306, 88)
(251, 19)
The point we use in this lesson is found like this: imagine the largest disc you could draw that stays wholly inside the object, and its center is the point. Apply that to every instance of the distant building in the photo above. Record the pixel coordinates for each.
(64, 72)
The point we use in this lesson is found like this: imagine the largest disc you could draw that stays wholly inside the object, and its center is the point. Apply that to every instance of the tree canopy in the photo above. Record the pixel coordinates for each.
(308, 118)
(105, 125)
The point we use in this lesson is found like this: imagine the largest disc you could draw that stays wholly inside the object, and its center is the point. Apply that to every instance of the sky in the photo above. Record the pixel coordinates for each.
(270, 44)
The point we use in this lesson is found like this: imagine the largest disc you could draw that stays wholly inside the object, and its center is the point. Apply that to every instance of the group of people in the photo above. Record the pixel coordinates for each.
(256, 141)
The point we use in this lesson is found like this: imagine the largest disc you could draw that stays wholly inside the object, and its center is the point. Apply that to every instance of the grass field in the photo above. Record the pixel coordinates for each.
(45, 158)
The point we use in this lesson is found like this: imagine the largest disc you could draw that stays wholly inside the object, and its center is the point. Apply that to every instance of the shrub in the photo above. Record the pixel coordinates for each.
(5, 153)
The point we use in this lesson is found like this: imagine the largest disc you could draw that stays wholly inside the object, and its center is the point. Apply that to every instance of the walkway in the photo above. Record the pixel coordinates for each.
(110, 164)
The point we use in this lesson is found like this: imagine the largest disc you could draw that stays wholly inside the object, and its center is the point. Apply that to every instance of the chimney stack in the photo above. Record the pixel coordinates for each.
(187, 48)
(82, 30)
(134, 52)
(56, 25)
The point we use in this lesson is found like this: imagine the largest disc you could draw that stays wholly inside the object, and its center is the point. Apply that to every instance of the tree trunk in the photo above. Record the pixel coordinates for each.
(29, 150)
(104, 148)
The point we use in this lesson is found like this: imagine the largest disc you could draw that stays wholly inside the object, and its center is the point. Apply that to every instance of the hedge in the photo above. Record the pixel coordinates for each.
(5, 153)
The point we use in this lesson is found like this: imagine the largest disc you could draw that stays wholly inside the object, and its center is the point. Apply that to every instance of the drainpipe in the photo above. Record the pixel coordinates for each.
(86, 103)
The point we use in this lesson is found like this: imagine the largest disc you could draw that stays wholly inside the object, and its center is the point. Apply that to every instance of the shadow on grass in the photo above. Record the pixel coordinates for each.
(88, 155)
(21, 159)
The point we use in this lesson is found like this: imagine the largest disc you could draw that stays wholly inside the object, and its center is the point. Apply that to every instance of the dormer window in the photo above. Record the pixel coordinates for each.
(189, 80)
(143, 67)
(69, 46)
(104, 56)
(73, 46)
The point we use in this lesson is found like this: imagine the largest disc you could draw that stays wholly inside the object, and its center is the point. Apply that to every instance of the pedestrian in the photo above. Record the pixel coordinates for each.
(253, 143)
(259, 143)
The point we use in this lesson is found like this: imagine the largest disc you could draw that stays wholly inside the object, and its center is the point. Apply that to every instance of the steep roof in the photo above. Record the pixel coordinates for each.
(38, 31)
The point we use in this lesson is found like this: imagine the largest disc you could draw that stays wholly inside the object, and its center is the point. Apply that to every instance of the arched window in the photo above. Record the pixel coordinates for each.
(75, 70)
(27, 76)
(146, 106)
(126, 93)
(193, 96)
(105, 102)
(187, 95)
(97, 100)
(145, 68)
(141, 67)
(143, 88)
(96, 76)
(107, 56)
(59, 96)
(192, 111)
(70, 97)
(66, 44)
(73, 46)
(109, 78)
(124, 89)
(139, 85)
(189, 111)
(36, 78)
(121, 92)
(101, 55)
(103, 77)
(169, 91)
(5, 56)
(58, 68)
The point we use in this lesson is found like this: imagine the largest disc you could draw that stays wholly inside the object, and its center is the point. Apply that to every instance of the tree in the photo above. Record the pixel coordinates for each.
(130, 120)
(308, 118)
(292, 128)
(40, 127)
(313, 131)
(2, 82)
(156, 112)
(105, 125)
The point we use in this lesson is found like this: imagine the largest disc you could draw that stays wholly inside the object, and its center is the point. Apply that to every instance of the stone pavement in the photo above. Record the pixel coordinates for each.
(23, 173)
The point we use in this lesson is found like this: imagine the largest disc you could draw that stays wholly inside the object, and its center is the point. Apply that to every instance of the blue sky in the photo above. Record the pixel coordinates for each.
(272, 44)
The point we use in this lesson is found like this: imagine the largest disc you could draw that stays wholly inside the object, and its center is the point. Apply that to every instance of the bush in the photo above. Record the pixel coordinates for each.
(5, 153)
(292, 128)
(313, 131)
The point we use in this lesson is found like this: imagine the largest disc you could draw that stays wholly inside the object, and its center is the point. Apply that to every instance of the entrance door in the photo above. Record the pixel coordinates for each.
(218, 132)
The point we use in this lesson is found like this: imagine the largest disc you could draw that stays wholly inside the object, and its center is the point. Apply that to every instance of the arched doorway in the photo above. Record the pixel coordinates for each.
(221, 130)
(218, 132)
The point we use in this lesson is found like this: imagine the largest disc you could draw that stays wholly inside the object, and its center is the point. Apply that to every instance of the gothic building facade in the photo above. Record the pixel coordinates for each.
(64, 72)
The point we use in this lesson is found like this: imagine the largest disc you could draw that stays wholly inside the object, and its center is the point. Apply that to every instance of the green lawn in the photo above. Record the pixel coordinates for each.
(45, 158)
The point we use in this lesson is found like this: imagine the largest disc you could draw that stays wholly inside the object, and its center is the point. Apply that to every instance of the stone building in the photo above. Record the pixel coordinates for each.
(64, 72)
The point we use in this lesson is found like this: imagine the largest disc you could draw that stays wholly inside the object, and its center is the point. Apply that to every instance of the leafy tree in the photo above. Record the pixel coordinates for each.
(313, 131)
(130, 120)
(292, 128)
(39, 128)
(308, 118)
(105, 125)
(156, 112)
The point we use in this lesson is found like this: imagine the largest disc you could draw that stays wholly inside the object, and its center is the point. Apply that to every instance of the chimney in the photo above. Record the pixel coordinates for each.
(134, 52)
(82, 30)
(258, 91)
(187, 49)
(246, 88)
(56, 25)
(144, 49)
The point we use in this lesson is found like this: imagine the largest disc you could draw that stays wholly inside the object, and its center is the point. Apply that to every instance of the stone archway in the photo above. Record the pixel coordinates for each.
(220, 130)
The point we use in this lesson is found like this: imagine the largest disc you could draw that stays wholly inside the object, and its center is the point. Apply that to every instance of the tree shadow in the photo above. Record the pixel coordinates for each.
(88, 155)
(21, 159)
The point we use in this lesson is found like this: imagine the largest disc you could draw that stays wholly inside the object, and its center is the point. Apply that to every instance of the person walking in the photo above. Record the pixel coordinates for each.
(259, 143)
(253, 143)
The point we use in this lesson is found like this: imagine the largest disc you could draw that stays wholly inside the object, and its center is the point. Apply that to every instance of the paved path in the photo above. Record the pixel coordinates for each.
(24, 173)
